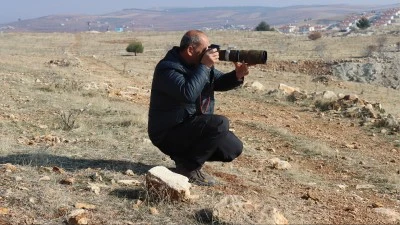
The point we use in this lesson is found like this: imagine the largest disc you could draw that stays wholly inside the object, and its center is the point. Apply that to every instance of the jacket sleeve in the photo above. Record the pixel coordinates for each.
(225, 82)
(176, 82)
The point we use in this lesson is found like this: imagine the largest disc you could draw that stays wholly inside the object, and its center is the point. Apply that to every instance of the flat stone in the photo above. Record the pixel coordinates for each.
(167, 185)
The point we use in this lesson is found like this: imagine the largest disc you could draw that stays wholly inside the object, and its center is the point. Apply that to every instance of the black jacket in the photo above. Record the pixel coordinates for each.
(180, 92)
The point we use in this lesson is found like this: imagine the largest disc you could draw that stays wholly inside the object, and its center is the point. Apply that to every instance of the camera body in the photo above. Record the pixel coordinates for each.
(246, 56)
(214, 46)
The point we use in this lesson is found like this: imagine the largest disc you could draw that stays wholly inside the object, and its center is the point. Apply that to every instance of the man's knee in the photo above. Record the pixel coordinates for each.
(235, 150)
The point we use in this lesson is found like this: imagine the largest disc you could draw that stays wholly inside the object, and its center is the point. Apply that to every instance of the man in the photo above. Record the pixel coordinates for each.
(181, 120)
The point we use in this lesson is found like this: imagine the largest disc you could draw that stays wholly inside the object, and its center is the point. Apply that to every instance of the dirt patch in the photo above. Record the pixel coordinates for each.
(309, 67)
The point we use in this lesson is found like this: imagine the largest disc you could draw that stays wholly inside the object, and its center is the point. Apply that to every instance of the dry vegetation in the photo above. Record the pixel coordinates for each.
(73, 115)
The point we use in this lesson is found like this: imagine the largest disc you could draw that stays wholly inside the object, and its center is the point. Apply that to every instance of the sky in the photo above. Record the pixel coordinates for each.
(12, 10)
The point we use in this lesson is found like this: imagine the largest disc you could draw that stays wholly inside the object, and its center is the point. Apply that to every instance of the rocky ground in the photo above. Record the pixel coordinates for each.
(320, 149)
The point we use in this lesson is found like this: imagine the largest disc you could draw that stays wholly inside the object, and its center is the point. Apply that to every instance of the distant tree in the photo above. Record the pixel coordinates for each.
(363, 23)
(263, 26)
(135, 47)
(314, 35)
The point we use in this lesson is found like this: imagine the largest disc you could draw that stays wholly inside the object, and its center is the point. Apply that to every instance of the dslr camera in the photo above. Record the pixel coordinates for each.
(246, 56)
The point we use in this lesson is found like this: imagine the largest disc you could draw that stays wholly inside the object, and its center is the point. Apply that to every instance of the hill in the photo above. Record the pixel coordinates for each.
(174, 19)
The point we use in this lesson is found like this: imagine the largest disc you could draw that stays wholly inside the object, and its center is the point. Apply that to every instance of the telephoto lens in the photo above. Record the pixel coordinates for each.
(246, 56)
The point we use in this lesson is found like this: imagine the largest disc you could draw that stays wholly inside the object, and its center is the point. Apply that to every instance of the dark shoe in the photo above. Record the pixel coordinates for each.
(198, 176)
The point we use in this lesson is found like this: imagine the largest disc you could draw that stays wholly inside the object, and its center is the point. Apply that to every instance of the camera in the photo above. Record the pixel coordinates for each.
(246, 56)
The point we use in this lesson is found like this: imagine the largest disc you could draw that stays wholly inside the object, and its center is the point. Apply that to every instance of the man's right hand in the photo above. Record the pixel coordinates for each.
(210, 57)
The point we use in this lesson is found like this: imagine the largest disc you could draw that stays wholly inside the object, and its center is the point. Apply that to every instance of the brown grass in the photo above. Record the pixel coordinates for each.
(104, 96)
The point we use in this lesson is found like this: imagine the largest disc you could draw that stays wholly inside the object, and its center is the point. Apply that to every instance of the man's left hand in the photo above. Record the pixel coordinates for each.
(242, 70)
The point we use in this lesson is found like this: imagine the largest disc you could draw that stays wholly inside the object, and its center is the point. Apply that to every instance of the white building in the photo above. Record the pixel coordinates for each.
(287, 29)
(306, 28)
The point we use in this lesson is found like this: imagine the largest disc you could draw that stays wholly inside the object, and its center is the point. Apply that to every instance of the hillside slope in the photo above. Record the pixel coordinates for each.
(188, 18)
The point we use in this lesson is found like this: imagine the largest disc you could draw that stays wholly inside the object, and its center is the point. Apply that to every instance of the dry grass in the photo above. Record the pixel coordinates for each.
(96, 106)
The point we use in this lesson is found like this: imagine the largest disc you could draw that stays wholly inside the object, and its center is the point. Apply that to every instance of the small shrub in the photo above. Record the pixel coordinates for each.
(315, 35)
(323, 105)
(136, 47)
(363, 23)
(68, 119)
(263, 26)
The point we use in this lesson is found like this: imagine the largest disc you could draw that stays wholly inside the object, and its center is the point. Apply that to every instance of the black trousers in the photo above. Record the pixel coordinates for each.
(200, 139)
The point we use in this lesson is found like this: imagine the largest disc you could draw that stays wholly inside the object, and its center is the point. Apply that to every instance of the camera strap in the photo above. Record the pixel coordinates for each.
(204, 101)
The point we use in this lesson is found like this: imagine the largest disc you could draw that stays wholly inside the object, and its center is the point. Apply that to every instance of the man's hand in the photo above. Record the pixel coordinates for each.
(210, 57)
(242, 70)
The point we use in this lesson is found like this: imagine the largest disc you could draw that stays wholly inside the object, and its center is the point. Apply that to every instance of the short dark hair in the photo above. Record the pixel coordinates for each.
(190, 38)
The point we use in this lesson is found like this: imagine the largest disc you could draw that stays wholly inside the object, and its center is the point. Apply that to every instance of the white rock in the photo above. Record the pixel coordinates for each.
(129, 173)
(255, 85)
(44, 178)
(165, 184)
(146, 141)
(154, 211)
(77, 217)
(369, 106)
(8, 167)
(273, 161)
(282, 165)
(287, 89)
(32, 200)
(276, 163)
(329, 95)
(93, 188)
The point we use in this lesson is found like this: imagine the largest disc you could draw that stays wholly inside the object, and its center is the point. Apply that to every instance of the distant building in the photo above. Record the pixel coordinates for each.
(387, 17)
(287, 29)
(344, 27)
(306, 28)
(7, 28)
(320, 28)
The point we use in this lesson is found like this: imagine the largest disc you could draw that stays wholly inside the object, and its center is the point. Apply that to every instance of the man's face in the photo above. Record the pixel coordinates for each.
(199, 49)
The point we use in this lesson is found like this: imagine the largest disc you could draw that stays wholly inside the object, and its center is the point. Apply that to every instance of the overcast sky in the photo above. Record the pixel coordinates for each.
(12, 10)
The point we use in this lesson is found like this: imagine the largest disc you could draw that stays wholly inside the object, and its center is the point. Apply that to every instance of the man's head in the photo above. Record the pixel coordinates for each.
(193, 45)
